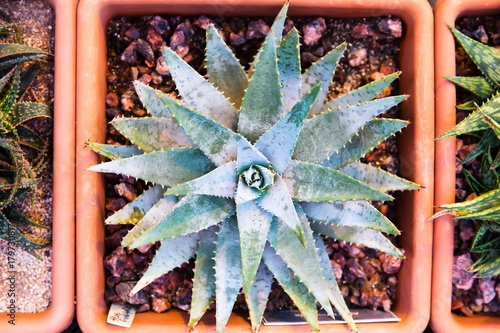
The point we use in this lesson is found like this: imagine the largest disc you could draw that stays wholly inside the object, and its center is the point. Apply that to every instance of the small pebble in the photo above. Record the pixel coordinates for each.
(487, 287)
(123, 291)
(202, 22)
(126, 190)
(313, 31)
(129, 55)
(112, 99)
(160, 305)
(357, 57)
(392, 27)
(462, 278)
(133, 33)
(362, 30)
(257, 29)
(159, 24)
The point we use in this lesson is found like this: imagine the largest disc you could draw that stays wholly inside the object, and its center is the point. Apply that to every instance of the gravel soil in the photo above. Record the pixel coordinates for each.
(366, 277)
(33, 276)
(471, 295)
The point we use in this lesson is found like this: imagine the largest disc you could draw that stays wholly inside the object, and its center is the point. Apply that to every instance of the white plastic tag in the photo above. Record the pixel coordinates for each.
(121, 315)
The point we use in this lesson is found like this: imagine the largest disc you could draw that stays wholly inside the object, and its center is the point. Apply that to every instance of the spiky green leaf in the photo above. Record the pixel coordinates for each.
(253, 226)
(192, 214)
(258, 295)
(349, 213)
(332, 288)
(166, 167)
(311, 182)
(199, 94)
(294, 288)
(114, 151)
(215, 140)
(227, 272)
(476, 84)
(278, 202)
(485, 57)
(365, 140)
(288, 54)
(322, 72)
(290, 250)
(204, 276)
(330, 131)
(262, 106)
(224, 69)
(278, 143)
(358, 236)
(364, 94)
(377, 178)
(150, 134)
(486, 201)
(155, 214)
(134, 211)
(172, 253)
(220, 182)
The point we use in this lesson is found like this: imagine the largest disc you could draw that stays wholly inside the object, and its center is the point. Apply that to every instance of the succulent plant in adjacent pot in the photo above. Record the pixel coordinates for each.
(484, 121)
(23, 153)
(243, 181)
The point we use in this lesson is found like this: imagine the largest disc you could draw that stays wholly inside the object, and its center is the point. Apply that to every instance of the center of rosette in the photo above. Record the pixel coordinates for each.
(258, 177)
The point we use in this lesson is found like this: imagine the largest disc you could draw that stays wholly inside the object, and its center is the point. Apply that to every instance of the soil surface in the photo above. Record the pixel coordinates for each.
(33, 276)
(471, 295)
(366, 277)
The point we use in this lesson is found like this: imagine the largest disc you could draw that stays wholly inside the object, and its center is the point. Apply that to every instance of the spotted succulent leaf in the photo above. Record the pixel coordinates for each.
(377, 178)
(220, 182)
(227, 272)
(376, 131)
(311, 182)
(150, 134)
(258, 295)
(253, 225)
(114, 151)
(475, 121)
(318, 140)
(332, 287)
(322, 72)
(262, 106)
(359, 236)
(184, 164)
(224, 69)
(12, 54)
(195, 91)
(292, 285)
(204, 276)
(192, 214)
(349, 213)
(294, 254)
(134, 211)
(278, 143)
(172, 253)
(361, 95)
(288, 54)
(154, 215)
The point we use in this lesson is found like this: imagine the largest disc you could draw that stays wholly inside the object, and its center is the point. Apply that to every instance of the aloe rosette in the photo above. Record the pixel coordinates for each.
(484, 119)
(247, 184)
(23, 153)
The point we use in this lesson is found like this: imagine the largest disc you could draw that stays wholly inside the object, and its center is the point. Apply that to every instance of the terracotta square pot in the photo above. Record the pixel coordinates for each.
(416, 153)
(442, 319)
(61, 310)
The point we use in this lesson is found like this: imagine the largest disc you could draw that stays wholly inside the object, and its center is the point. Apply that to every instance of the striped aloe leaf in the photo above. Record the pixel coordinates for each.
(484, 119)
(23, 153)
(256, 193)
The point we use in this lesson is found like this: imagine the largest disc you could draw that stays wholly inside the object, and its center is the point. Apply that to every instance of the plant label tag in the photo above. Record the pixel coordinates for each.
(294, 317)
(121, 315)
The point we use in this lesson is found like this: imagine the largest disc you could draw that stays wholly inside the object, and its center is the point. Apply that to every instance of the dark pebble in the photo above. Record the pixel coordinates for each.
(313, 31)
(159, 24)
(391, 27)
(362, 30)
(257, 29)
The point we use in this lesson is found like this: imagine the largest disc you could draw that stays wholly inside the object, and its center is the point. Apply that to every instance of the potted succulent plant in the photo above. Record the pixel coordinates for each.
(446, 13)
(92, 318)
(60, 311)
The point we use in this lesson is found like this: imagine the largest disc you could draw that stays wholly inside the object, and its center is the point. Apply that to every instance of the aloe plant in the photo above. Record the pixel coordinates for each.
(484, 120)
(23, 154)
(247, 184)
